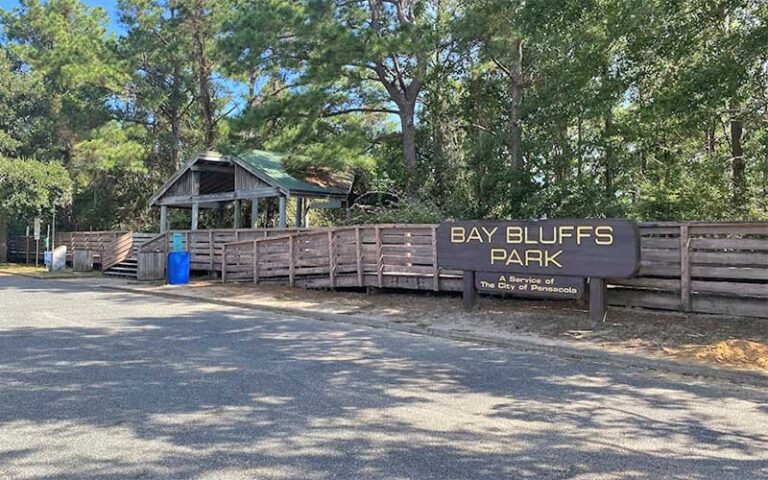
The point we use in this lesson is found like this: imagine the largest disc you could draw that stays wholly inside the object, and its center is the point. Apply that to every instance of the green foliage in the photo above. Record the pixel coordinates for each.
(29, 186)
(649, 109)
(404, 211)
(26, 127)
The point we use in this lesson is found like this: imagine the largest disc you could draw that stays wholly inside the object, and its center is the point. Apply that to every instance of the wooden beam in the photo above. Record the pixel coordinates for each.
(212, 168)
(255, 261)
(292, 260)
(263, 192)
(685, 269)
(163, 219)
(224, 265)
(211, 251)
(255, 213)
(195, 215)
(195, 183)
(299, 212)
(597, 302)
(435, 266)
(469, 290)
(359, 257)
(331, 258)
(281, 214)
(379, 266)
(236, 207)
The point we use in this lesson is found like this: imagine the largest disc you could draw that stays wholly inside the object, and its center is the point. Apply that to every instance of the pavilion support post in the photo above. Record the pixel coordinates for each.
(306, 217)
(163, 219)
(236, 207)
(281, 214)
(299, 212)
(255, 213)
(195, 215)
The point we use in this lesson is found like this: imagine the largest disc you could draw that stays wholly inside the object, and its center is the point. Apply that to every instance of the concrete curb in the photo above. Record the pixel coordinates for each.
(560, 348)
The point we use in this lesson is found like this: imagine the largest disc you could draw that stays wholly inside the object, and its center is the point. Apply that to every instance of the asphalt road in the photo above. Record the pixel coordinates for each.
(106, 385)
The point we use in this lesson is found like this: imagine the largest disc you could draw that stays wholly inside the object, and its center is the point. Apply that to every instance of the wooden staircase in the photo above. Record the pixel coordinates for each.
(128, 268)
(125, 263)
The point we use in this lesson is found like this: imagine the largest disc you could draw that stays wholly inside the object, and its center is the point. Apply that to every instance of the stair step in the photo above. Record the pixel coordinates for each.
(123, 269)
(109, 273)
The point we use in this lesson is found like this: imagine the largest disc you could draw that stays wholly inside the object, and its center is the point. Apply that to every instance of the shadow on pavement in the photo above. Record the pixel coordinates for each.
(211, 391)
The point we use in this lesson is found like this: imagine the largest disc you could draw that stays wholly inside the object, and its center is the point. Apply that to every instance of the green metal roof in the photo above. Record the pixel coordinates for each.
(271, 166)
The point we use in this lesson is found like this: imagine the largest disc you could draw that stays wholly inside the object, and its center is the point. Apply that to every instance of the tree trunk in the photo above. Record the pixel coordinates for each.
(174, 115)
(408, 126)
(203, 73)
(515, 137)
(579, 140)
(738, 164)
(176, 157)
(609, 154)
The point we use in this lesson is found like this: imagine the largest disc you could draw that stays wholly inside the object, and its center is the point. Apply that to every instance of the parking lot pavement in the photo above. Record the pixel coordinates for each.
(111, 385)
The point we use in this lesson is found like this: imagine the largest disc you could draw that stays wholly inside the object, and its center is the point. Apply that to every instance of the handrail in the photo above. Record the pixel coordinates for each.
(149, 247)
(117, 251)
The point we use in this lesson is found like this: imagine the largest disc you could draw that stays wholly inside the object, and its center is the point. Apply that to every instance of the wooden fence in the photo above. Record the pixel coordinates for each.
(108, 248)
(700, 267)
(692, 267)
(205, 247)
(22, 248)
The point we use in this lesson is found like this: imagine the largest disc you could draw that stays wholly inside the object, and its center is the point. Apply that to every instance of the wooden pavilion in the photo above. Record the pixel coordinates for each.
(213, 180)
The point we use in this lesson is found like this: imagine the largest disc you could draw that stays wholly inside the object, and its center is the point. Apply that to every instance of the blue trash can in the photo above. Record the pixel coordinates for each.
(178, 268)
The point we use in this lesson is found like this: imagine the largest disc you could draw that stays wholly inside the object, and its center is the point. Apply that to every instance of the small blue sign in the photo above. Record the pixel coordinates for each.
(178, 242)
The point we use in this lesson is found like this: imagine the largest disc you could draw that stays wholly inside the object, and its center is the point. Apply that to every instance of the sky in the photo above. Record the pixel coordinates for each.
(109, 5)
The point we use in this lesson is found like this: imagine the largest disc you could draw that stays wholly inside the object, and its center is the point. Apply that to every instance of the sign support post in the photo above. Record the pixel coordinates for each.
(469, 290)
(597, 303)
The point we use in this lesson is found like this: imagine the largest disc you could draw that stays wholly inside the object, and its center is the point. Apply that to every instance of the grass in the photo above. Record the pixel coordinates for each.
(41, 271)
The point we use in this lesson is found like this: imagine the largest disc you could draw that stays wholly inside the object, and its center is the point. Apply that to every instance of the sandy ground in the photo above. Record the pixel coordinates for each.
(728, 341)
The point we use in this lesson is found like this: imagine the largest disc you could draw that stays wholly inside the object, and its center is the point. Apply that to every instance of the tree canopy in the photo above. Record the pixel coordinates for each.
(648, 109)
(28, 187)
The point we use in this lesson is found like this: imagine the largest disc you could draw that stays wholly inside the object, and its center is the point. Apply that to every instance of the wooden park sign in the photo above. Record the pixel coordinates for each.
(547, 250)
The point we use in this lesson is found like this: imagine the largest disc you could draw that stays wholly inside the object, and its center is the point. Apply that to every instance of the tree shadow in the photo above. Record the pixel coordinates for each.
(213, 392)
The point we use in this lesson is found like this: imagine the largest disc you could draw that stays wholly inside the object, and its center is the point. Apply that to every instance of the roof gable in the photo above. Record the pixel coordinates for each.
(269, 167)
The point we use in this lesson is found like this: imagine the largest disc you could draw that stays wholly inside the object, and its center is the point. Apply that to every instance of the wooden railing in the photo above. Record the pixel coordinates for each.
(155, 244)
(206, 247)
(692, 267)
(116, 251)
(366, 255)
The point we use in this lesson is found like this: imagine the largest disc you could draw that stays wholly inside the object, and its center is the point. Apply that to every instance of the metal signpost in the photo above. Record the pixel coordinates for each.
(37, 240)
(546, 258)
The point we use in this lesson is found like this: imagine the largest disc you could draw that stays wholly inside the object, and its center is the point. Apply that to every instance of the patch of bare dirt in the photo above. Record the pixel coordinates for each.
(742, 353)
